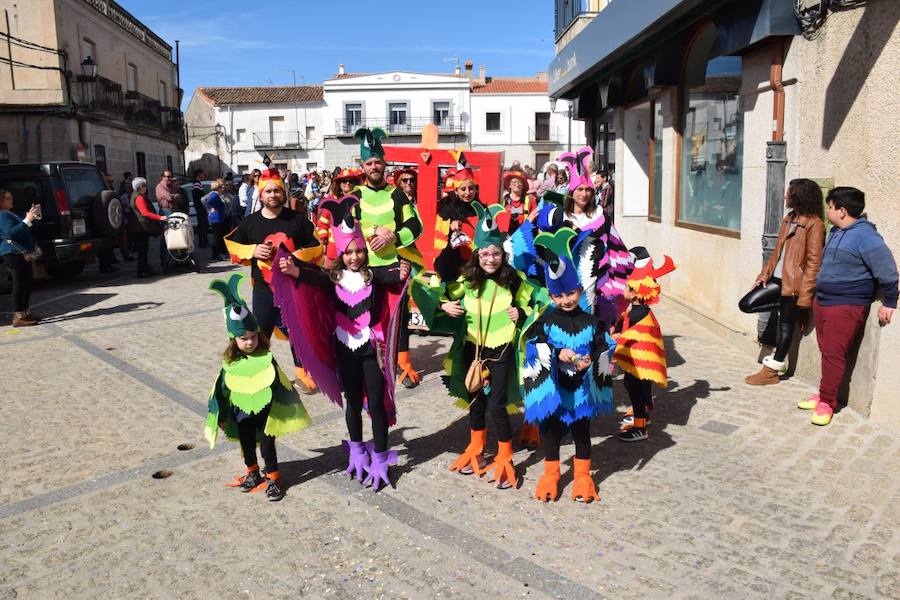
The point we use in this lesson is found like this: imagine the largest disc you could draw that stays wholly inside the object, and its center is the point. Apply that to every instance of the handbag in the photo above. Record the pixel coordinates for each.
(762, 298)
(28, 256)
(478, 374)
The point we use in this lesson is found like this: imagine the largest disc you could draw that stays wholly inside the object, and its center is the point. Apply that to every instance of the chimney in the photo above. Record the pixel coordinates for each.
(469, 69)
(542, 76)
(482, 72)
(341, 69)
(456, 69)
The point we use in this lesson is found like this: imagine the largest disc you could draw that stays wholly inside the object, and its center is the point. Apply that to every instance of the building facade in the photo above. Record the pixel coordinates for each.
(716, 106)
(230, 129)
(85, 80)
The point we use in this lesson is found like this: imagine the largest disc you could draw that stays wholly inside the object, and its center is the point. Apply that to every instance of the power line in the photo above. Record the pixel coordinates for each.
(16, 63)
(31, 45)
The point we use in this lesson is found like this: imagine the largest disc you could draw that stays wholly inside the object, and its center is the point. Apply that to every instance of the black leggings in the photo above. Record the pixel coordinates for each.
(787, 319)
(501, 371)
(250, 431)
(553, 430)
(23, 278)
(640, 394)
(267, 314)
(359, 373)
(403, 336)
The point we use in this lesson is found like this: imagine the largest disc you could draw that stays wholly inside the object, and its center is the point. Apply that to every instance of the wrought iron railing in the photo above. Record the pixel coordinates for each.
(99, 94)
(543, 135)
(568, 11)
(277, 139)
(409, 126)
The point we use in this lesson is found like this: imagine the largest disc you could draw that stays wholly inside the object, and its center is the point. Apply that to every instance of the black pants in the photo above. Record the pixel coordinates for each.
(361, 374)
(267, 314)
(640, 394)
(780, 328)
(501, 370)
(250, 431)
(142, 241)
(403, 334)
(218, 245)
(23, 278)
(553, 430)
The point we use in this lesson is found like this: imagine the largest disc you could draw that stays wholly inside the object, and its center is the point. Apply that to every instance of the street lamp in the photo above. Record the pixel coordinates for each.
(89, 68)
(568, 113)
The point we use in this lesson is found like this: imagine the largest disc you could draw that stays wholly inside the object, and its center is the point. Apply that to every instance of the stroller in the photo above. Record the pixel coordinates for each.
(179, 238)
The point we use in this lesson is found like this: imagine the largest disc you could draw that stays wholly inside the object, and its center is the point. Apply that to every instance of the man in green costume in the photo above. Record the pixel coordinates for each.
(391, 226)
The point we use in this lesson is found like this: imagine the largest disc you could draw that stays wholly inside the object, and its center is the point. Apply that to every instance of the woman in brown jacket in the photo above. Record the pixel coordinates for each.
(794, 265)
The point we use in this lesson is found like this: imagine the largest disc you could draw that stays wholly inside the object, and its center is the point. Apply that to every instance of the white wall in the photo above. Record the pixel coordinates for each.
(517, 120)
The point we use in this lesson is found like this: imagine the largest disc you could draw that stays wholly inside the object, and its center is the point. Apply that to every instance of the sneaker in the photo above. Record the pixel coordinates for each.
(628, 421)
(251, 481)
(823, 414)
(273, 491)
(809, 403)
(634, 434)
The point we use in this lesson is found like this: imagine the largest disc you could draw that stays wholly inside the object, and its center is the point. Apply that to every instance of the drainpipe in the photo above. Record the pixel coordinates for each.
(776, 155)
(776, 160)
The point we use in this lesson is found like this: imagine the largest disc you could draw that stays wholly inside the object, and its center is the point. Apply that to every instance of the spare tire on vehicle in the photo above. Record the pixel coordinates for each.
(107, 213)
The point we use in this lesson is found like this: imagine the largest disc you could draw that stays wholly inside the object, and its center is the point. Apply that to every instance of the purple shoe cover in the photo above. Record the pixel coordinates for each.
(378, 468)
(359, 458)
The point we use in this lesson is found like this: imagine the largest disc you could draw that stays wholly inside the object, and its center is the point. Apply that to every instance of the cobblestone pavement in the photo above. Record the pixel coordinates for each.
(735, 494)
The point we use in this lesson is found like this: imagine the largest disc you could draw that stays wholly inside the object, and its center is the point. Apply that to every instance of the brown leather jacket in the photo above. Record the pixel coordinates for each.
(801, 239)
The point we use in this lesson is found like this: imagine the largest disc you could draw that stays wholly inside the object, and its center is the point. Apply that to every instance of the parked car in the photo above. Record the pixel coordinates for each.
(80, 216)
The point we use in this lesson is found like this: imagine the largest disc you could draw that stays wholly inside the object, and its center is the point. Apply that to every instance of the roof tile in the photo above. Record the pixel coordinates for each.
(263, 95)
(511, 86)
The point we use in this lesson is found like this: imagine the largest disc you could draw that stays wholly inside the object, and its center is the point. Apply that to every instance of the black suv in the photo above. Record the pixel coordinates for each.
(80, 216)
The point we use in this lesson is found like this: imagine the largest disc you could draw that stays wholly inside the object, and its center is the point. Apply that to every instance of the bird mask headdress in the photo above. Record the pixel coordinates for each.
(643, 279)
(344, 225)
(493, 224)
(370, 142)
(579, 167)
(238, 318)
(561, 276)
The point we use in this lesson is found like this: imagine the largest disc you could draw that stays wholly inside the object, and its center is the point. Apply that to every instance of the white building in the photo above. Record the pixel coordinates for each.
(308, 127)
(231, 128)
(514, 115)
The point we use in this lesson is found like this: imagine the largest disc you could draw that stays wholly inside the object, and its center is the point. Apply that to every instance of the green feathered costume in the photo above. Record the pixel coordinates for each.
(497, 327)
(249, 384)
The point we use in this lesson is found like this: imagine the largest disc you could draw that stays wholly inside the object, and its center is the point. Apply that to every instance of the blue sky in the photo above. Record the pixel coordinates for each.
(225, 43)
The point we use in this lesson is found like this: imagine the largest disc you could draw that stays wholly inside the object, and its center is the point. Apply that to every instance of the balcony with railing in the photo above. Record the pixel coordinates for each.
(104, 96)
(410, 126)
(574, 15)
(270, 140)
(544, 135)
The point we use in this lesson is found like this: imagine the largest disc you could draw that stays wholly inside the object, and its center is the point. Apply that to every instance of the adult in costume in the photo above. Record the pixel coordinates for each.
(345, 324)
(516, 199)
(456, 221)
(256, 240)
(640, 351)
(252, 400)
(391, 225)
(566, 369)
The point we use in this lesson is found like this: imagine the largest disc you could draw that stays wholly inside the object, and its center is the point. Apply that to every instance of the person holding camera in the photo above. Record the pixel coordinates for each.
(17, 251)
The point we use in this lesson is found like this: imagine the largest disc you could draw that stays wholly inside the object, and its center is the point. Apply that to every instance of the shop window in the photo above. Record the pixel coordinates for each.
(656, 164)
(712, 137)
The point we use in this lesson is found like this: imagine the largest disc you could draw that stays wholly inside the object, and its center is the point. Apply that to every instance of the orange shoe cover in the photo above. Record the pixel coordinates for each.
(548, 485)
(472, 452)
(584, 489)
(530, 435)
(239, 480)
(305, 380)
(407, 372)
(504, 471)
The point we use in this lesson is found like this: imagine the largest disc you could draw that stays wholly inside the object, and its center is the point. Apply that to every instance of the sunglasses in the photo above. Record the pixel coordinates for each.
(407, 180)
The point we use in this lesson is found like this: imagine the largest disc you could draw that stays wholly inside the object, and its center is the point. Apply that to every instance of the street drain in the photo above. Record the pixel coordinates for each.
(162, 474)
(186, 447)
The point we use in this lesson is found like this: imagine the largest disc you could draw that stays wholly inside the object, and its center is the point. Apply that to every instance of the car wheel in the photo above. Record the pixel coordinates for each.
(108, 216)
(65, 270)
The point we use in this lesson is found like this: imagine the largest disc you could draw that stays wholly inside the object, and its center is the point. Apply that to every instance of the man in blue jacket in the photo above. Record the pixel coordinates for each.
(855, 264)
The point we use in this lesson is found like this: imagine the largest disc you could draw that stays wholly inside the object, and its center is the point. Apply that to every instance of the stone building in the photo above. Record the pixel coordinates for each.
(85, 80)
(717, 105)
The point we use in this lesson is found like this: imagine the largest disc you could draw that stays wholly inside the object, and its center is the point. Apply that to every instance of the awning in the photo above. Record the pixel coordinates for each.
(622, 32)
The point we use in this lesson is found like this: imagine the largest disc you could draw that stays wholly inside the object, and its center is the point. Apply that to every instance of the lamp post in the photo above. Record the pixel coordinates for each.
(568, 113)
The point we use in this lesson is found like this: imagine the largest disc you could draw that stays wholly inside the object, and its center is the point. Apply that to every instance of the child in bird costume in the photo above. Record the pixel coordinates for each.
(483, 308)
(252, 400)
(640, 351)
(566, 369)
(345, 323)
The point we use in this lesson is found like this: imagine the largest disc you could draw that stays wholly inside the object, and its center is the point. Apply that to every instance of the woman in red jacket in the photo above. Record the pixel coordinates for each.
(145, 224)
